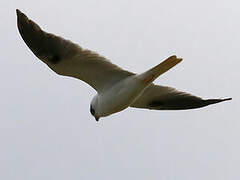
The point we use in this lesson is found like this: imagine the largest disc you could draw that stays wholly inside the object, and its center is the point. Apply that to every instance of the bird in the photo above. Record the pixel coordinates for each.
(117, 89)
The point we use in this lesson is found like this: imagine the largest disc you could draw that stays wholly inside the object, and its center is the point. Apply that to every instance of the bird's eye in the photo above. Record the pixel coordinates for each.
(92, 110)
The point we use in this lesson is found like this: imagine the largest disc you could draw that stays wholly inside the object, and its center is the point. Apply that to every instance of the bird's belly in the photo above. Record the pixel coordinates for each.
(121, 96)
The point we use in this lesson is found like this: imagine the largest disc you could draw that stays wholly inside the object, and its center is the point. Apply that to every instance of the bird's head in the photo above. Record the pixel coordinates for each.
(94, 108)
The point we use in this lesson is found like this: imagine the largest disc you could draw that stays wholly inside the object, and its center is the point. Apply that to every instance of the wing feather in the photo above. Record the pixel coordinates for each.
(167, 98)
(67, 58)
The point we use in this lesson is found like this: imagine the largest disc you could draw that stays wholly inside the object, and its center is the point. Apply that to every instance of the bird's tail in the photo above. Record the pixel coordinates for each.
(150, 75)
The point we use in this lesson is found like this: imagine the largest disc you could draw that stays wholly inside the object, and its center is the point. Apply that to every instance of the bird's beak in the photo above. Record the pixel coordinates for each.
(97, 118)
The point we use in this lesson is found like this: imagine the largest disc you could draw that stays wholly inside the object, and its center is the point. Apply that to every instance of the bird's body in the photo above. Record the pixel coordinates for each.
(117, 88)
(118, 97)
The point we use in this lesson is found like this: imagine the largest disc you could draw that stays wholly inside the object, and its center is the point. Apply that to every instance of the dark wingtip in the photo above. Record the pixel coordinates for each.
(21, 18)
(18, 11)
(214, 101)
(227, 99)
(20, 14)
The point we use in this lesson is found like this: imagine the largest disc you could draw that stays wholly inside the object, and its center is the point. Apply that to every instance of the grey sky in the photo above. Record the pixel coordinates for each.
(46, 130)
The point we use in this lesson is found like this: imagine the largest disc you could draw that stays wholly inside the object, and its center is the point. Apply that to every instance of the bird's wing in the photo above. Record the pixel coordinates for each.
(67, 58)
(167, 98)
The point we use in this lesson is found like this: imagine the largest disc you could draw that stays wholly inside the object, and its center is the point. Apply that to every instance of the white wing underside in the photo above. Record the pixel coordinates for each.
(69, 59)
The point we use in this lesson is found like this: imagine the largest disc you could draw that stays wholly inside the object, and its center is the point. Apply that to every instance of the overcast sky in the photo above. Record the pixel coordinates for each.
(47, 131)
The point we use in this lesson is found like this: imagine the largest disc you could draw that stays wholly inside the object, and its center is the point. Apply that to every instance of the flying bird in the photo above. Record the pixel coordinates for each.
(117, 89)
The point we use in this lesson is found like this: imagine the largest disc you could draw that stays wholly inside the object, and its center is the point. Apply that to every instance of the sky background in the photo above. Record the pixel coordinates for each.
(47, 131)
